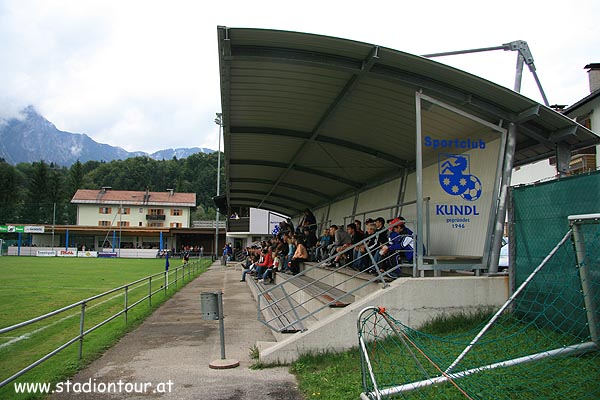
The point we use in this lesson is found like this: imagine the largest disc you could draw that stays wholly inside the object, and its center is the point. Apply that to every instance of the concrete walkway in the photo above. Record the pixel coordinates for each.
(175, 345)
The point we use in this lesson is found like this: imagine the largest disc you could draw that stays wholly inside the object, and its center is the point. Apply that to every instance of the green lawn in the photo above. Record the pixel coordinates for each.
(338, 376)
(31, 286)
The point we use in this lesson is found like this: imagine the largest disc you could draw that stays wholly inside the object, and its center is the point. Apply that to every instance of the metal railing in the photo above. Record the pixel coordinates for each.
(393, 213)
(373, 263)
(208, 224)
(166, 278)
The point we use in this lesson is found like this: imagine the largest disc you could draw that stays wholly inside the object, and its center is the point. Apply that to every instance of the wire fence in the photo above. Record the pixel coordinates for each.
(78, 320)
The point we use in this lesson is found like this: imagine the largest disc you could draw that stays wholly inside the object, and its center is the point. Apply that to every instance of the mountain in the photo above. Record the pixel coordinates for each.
(179, 153)
(33, 138)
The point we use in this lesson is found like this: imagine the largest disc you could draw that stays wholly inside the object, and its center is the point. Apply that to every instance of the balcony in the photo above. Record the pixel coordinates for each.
(150, 217)
(238, 225)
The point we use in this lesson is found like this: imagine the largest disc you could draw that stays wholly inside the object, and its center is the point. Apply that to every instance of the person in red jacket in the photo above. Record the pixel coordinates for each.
(267, 262)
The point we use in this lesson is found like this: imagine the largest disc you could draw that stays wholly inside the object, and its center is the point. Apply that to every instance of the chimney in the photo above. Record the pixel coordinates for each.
(105, 189)
(171, 192)
(594, 76)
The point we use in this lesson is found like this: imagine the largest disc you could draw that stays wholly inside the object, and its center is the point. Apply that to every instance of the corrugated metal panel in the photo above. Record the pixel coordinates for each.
(337, 116)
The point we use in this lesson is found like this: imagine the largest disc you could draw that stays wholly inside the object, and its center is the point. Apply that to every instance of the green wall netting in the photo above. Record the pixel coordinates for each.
(540, 220)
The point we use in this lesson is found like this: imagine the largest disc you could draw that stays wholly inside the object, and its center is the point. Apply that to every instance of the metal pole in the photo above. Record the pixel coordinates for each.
(519, 74)
(126, 300)
(587, 291)
(508, 303)
(511, 144)
(221, 323)
(53, 224)
(218, 121)
(150, 291)
(120, 226)
(419, 161)
(81, 319)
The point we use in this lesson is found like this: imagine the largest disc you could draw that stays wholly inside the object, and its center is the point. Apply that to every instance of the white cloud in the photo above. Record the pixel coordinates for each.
(143, 75)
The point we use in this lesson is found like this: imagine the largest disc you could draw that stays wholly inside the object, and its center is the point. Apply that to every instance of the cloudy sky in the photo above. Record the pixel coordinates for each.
(143, 75)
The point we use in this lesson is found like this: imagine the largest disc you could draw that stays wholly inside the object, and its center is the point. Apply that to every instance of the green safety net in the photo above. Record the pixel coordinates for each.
(541, 345)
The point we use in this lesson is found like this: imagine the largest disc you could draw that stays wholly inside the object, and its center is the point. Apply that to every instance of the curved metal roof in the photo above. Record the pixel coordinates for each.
(308, 119)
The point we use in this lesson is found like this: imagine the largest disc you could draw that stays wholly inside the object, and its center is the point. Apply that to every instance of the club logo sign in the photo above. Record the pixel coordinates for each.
(455, 177)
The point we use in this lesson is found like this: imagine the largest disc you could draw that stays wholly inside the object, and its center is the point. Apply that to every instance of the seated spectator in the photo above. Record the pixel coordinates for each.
(358, 227)
(291, 246)
(340, 238)
(361, 258)
(300, 255)
(269, 274)
(400, 244)
(309, 237)
(324, 241)
(355, 238)
(267, 262)
(249, 266)
(382, 240)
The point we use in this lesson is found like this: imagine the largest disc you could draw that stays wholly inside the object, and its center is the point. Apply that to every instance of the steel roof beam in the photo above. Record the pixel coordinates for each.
(282, 184)
(369, 62)
(306, 170)
(252, 201)
(354, 66)
(358, 147)
(280, 196)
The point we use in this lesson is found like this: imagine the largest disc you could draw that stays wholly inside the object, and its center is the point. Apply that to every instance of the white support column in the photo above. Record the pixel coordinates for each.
(511, 144)
(419, 167)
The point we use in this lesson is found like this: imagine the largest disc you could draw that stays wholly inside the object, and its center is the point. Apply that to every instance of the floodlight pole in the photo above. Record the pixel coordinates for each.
(218, 121)
(53, 223)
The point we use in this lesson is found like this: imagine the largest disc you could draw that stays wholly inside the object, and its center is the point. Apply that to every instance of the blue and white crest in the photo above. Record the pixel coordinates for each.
(455, 177)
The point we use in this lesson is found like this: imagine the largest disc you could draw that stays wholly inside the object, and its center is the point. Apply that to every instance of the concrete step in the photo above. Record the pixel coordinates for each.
(279, 311)
(316, 297)
(361, 284)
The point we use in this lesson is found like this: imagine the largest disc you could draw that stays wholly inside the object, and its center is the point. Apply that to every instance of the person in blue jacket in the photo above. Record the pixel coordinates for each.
(401, 244)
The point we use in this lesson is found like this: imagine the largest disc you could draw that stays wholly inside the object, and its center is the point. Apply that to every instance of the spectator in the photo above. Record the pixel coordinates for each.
(358, 227)
(249, 266)
(340, 238)
(267, 262)
(269, 273)
(324, 242)
(300, 255)
(382, 240)
(309, 237)
(361, 259)
(291, 251)
(355, 238)
(400, 245)
(309, 221)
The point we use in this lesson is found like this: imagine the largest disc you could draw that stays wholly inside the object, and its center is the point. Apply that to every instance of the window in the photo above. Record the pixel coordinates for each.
(176, 211)
(155, 224)
(176, 225)
(105, 210)
(140, 223)
(124, 210)
(123, 223)
(103, 223)
(156, 211)
(141, 210)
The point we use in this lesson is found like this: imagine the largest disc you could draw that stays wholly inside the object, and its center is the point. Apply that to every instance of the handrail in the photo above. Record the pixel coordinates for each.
(83, 303)
(427, 218)
(379, 276)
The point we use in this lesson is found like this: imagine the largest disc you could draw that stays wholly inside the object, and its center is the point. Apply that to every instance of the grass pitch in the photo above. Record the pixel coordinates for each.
(32, 286)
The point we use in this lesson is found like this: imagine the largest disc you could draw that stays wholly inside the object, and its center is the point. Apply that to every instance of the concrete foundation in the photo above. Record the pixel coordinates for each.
(413, 301)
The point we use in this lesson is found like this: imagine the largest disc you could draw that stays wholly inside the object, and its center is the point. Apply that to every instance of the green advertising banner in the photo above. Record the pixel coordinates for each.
(21, 229)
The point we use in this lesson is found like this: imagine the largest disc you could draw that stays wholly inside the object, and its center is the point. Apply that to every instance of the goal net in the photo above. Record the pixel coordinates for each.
(543, 343)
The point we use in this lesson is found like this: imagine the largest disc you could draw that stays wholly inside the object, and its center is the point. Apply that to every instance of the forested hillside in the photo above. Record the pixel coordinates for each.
(37, 193)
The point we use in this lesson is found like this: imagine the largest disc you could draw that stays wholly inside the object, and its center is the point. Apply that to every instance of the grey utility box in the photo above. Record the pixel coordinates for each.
(209, 303)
